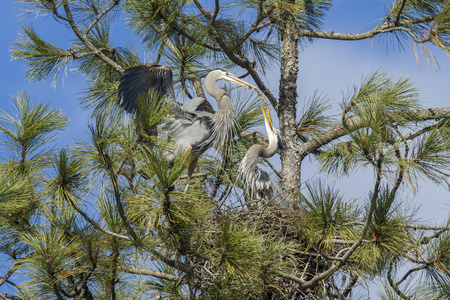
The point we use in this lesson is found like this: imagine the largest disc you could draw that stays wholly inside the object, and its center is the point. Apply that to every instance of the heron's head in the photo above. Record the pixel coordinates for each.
(272, 133)
(223, 74)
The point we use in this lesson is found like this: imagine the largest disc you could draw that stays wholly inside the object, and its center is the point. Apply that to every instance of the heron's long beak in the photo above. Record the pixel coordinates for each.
(267, 118)
(236, 80)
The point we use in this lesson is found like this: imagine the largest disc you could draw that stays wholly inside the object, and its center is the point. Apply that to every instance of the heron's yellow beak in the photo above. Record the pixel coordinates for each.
(241, 82)
(267, 118)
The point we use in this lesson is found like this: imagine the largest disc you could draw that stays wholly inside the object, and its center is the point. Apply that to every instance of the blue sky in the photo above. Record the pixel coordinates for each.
(329, 67)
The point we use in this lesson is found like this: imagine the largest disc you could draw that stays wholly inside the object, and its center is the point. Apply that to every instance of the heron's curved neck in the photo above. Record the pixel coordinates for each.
(215, 92)
(270, 150)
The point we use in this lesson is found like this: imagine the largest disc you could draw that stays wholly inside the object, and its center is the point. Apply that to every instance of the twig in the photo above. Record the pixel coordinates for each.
(84, 39)
(392, 283)
(384, 28)
(196, 175)
(95, 224)
(8, 296)
(151, 273)
(101, 15)
(397, 18)
(410, 272)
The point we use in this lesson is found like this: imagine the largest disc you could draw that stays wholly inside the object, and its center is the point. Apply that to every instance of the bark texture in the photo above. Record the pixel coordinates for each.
(291, 163)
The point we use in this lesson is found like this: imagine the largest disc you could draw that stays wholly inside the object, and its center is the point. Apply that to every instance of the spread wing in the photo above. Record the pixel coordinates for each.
(139, 80)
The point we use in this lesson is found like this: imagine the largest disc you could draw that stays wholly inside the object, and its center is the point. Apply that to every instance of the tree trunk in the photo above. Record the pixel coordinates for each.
(287, 107)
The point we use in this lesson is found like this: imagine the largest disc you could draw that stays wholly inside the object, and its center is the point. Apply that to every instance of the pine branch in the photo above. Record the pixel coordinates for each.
(399, 13)
(393, 284)
(196, 81)
(355, 124)
(410, 271)
(101, 15)
(313, 282)
(95, 224)
(383, 28)
(8, 296)
(150, 273)
(353, 280)
(84, 39)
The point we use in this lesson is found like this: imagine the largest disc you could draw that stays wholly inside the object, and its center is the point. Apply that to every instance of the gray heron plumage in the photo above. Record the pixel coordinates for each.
(189, 128)
(258, 186)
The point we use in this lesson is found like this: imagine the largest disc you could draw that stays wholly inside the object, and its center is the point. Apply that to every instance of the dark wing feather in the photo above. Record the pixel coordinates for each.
(139, 80)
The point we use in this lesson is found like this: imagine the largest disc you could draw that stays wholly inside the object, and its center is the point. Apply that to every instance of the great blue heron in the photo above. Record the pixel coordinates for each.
(189, 128)
(257, 184)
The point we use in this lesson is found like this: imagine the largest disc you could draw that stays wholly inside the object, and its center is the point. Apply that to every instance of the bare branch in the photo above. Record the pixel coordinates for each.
(151, 273)
(410, 272)
(99, 50)
(383, 28)
(7, 275)
(101, 15)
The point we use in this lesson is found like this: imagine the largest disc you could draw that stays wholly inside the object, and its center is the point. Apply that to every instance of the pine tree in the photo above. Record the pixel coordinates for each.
(107, 218)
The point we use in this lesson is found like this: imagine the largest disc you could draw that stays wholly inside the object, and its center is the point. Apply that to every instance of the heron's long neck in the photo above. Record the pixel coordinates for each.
(214, 90)
(255, 151)
(270, 150)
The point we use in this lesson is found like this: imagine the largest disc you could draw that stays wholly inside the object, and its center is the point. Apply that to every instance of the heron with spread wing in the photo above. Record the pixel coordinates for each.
(190, 128)
(257, 184)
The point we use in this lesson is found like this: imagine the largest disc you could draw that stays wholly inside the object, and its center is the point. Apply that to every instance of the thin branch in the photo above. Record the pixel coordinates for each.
(151, 273)
(272, 167)
(355, 124)
(384, 28)
(99, 50)
(216, 12)
(424, 227)
(393, 284)
(427, 239)
(8, 274)
(84, 39)
(397, 18)
(8, 296)
(95, 224)
(117, 196)
(196, 175)
(101, 15)
(172, 262)
(353, 280)
(410, 272)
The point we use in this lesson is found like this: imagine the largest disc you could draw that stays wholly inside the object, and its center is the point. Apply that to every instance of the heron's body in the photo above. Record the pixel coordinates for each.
(188, 127)
(257, 184)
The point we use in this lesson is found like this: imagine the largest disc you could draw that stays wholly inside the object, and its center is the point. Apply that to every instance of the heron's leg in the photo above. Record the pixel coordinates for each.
(191, 169)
